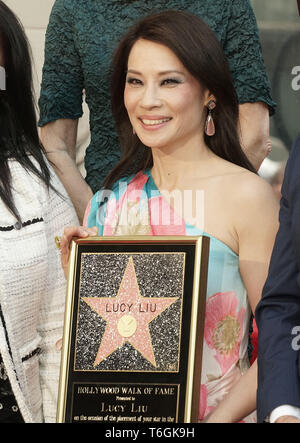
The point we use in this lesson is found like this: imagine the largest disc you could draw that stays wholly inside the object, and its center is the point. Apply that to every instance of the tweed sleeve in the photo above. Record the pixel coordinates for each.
(58, 213)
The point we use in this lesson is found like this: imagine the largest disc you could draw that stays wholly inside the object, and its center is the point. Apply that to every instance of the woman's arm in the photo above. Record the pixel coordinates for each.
(254, 131)
(256, 226)
(59, 140)
(244, 54)
(60, 101)
(239, 402)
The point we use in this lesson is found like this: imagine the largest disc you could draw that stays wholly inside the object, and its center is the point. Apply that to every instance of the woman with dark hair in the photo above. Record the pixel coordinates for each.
(206, 63)
(80, 40)
(34, 207)
(183, 172)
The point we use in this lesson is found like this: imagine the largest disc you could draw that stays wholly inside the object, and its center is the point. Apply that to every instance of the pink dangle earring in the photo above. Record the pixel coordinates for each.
(209, 124)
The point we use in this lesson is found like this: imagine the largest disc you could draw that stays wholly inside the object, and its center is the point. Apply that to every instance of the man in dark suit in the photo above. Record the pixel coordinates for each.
(278, 313)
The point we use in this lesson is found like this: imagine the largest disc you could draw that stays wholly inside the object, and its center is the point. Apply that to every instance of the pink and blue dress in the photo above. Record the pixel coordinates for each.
(135, 206)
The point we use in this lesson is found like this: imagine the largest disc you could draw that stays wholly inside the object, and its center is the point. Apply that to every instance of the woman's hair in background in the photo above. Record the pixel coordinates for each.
(19, 138)
(199, 50)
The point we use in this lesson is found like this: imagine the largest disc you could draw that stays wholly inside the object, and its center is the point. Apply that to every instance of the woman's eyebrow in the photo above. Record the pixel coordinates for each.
(169, 71)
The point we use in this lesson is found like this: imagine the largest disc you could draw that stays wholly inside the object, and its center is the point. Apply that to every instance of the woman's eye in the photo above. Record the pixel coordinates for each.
(134, 81)
(171, 82)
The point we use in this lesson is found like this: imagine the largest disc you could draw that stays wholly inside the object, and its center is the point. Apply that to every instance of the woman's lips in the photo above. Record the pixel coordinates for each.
(154, 122)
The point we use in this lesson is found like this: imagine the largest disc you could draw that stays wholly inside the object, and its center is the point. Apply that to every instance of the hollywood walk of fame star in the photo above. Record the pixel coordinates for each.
(127, 316)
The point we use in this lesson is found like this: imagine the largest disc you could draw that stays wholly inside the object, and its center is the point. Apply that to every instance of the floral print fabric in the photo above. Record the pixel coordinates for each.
(136, 207)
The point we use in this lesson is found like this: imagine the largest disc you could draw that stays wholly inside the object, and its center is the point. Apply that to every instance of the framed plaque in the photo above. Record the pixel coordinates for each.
(133, 332)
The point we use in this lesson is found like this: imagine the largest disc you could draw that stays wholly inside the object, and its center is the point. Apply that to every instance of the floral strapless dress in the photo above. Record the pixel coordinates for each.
(137, 207)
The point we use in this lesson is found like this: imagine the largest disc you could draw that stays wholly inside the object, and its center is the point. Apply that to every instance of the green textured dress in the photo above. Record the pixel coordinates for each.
(81, 37)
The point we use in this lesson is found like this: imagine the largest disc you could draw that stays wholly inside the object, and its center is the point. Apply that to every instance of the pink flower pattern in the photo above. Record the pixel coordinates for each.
(224, 328)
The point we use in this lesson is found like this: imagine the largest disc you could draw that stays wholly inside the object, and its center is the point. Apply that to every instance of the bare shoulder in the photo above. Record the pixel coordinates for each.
(253, 189)
(241, 182)
(255, 206)
(242, 190)
(250, 197)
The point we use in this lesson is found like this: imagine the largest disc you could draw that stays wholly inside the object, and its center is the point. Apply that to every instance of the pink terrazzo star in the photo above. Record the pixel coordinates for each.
(128, 316)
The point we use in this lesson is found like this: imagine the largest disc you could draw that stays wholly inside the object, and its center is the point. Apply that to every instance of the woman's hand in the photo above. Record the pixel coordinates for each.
(69, 233)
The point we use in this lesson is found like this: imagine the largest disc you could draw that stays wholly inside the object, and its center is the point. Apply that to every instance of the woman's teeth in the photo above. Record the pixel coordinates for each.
(154, 122)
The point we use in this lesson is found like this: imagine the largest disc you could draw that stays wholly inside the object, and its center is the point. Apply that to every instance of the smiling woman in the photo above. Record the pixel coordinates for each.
(167, 70)
(143, 62)
(160, 98)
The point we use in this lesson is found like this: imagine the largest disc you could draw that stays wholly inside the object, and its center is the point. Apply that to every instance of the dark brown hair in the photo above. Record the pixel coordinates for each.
(198, 49)
(19, 138)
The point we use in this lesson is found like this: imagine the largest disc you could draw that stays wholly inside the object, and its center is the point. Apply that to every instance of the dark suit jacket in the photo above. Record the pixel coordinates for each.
(278, 313)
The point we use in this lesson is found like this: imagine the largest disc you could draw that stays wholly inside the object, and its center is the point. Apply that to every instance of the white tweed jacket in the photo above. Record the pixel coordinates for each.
(32, 292)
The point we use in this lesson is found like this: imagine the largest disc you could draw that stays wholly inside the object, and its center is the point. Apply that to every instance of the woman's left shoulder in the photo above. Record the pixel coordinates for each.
(253, 185)
(248, 191)
(255, 200)
(242, 180)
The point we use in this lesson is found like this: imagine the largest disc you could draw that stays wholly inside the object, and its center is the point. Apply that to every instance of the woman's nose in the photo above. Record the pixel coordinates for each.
(150, 97)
